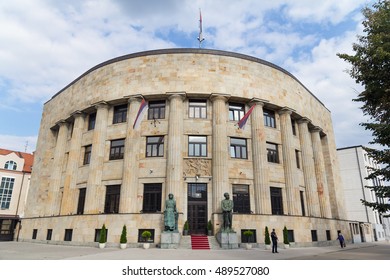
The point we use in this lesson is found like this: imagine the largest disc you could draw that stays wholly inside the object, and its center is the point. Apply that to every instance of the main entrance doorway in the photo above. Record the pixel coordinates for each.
(197, 208)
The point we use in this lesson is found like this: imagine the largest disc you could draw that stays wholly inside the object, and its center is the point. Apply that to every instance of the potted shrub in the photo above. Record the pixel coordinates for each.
(146, 237)
(123, 240)
(209, 228)
(285, 238)
(103, 237)
(185, 228)
(248, 234)
(267, 239)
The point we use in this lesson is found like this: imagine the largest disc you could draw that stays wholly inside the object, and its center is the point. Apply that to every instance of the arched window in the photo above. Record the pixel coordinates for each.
(10, 165)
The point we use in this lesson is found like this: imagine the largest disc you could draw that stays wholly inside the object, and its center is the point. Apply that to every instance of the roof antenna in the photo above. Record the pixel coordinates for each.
(200, 38)
(25, 147)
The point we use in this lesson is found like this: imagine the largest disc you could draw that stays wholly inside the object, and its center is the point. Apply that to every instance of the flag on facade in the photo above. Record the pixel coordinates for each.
(141, 112)
(242, 122)
(200, 38)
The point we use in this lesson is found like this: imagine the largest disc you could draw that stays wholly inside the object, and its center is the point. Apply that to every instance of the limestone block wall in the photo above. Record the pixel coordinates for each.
(177, 76)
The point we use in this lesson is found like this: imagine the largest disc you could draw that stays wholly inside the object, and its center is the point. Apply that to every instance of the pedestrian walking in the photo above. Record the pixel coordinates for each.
(341, 239)
(274, 239)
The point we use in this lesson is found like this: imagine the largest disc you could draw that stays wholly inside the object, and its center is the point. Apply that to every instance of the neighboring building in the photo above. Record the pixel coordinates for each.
(93, 167)
(354, 166)
(15, 173)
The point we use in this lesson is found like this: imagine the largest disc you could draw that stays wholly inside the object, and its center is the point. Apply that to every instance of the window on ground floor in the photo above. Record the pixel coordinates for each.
(68, 234)
(49, 234)
(35, 233)
(98, 232)
(111, 204)
(241, 199)
(141, 239)
(276, 201)
(248, 238)
(81, 201)
(314, 237)
(152, 198)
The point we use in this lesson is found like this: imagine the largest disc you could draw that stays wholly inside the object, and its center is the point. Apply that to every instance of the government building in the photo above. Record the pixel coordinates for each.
(215, 122)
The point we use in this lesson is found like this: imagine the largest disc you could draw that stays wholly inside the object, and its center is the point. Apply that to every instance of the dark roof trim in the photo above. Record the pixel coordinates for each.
(187, 50)
(351, 147)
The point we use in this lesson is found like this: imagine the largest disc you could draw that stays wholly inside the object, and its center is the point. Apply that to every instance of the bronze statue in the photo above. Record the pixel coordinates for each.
(227, 213)
(170, 214)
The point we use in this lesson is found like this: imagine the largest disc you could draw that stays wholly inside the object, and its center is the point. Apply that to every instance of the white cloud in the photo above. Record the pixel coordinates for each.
(18, 143)
(47, 44)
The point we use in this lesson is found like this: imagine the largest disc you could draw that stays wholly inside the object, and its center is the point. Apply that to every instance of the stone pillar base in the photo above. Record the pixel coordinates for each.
(228, 240)
(170, 240)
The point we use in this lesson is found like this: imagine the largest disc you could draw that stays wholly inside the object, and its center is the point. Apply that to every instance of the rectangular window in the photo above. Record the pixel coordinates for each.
(236, 111)
(49, 234)
(117, 149)
(238, 148)
(6, 188)
(248, 239)
(35, 233)
(314, 237)
(68, 234)
(197, 146)
(276, 201)
(272, 152)
(269, 118)
(152, 198)
(111, 204)
(91, 121)
(156, 110)
(120, 114)
(155, 146)
(294, 130)
(241, 200)
(297, 159)
(290, 235)
(97, 234)
(328, 237)
(141, 239)
(87, 154)
(81, 202)
(301, 195)
(197, 109)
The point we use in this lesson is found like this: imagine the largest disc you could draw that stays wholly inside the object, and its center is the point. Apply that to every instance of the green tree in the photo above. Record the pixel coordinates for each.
(123, 238)
(267, 239)
(103, 234)
(371, 69)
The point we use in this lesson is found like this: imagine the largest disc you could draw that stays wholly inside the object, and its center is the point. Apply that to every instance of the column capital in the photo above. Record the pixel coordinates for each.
(180, 94)
(304, 120)
(219, 96)
(286, 110)
(100, 104)
(315, 129)
(61, 123)
(136, 97)
(77, 114)
(258, 101)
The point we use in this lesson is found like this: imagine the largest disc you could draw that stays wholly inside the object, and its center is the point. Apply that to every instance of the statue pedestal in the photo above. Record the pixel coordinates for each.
(170, 240)
(227, 240)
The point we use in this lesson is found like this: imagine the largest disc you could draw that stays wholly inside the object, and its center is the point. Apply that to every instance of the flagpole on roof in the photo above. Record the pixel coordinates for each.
(200, 38)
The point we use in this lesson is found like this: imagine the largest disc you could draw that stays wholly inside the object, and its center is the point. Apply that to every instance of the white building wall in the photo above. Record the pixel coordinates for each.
(354, 164)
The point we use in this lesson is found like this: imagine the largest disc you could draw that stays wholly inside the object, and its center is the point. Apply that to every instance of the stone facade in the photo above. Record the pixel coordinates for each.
(302, 168)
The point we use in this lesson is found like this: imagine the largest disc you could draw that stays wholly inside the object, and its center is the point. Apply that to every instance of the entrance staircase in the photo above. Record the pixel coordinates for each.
(200, 242)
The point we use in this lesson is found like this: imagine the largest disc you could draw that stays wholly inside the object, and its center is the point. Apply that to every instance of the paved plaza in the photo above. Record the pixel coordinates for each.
(38, 251)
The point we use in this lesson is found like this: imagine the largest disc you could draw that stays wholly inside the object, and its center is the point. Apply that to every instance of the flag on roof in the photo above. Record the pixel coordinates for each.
(141, 112)
(242, 122)
(200, 38)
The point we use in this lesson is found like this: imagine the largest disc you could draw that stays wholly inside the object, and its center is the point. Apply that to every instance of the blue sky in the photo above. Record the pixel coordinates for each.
(47, 44)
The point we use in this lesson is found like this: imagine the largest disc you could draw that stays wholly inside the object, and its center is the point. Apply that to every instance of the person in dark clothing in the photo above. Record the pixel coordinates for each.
(340, 237)
(274, 239)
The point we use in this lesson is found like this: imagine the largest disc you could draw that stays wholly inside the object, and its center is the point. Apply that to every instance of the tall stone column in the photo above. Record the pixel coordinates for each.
(260, 162)
(174, 181)
(69, 197)
(308, 168)
(220, 148)
(58, 164)
(94, 200)
(128, 199)
(319, 163)
(289, 163)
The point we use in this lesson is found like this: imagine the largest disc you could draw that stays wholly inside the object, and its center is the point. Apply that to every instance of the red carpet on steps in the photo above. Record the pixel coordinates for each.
(200, 242)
